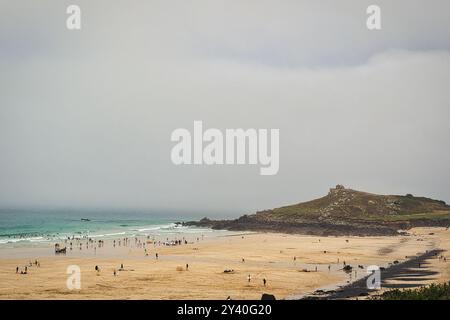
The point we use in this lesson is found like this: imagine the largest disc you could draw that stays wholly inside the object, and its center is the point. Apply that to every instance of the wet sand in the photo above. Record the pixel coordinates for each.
(412, 273)
(266, 256)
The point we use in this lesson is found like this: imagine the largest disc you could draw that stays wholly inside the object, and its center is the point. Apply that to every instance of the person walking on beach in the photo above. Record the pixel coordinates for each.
(249, 278)
(17, 269)
(156, 255)
(329, 267)
(264, 281)
(187, 267)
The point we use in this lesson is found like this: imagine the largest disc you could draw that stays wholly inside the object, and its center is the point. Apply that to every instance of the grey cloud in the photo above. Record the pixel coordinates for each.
(85, 118)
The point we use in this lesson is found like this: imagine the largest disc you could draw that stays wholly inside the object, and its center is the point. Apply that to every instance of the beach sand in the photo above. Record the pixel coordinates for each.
(267, 256)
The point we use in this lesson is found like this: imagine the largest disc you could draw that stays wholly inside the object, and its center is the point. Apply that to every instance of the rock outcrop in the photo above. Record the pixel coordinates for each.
(343, 212)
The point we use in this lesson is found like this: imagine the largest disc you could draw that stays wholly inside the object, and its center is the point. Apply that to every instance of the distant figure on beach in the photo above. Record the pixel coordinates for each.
(295, 258)
(249, 278)
(187, 267)
(17, 269)
(156, 255)
(264, 281)
(243, 260)
(316, 268)
(329, 267)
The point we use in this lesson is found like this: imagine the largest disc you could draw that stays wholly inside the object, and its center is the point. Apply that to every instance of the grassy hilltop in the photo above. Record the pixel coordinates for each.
(344, 211)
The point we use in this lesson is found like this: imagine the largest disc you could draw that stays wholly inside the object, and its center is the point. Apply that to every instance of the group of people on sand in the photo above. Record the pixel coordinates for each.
(24, 270)
(249, 279)
(97, 269)
(121, 268)
(89, 243)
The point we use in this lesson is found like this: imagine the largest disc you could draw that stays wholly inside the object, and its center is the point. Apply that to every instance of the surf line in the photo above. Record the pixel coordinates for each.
(234, 147)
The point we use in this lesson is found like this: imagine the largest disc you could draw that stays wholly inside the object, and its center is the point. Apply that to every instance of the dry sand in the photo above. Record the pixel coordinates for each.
(267, 255)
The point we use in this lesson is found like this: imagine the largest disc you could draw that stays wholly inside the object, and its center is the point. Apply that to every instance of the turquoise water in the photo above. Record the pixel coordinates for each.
(34, 226)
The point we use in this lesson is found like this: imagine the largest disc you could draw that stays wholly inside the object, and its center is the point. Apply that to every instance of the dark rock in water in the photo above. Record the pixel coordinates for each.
(266, 296)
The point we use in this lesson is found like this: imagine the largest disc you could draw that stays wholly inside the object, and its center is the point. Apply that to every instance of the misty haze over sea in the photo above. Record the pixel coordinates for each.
(28, 226)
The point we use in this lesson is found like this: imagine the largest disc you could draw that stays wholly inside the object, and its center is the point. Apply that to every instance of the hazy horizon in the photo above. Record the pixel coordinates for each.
(86, 115)
(201, 212)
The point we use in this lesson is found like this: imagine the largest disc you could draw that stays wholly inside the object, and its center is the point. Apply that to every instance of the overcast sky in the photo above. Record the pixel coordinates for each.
(86, 116)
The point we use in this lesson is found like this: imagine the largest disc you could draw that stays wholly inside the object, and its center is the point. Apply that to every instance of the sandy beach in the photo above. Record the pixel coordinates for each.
(288, 263)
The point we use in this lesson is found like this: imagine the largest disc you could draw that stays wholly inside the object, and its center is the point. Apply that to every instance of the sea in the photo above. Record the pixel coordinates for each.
(28, 227)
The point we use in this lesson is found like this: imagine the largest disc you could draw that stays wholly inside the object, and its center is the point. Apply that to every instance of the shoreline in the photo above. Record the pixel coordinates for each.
(357, 228)
(288, 263)
(358, 288)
